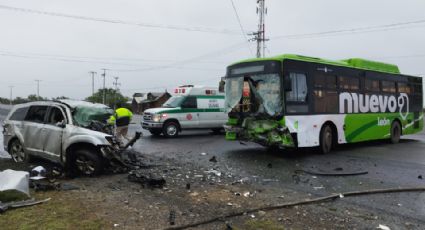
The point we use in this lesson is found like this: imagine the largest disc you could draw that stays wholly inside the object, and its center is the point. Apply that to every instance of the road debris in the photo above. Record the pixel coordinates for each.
(303, 202)
(420, 177)
(20, 204)
(172, 217)
(324, 173)
(14, 185)
(383, 227)
(148, 181)
(213, 159)
(215, 172)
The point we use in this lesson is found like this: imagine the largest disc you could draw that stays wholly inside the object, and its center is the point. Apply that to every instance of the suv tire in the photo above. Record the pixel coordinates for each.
(17, 152)
(170, 129)
(87, 162)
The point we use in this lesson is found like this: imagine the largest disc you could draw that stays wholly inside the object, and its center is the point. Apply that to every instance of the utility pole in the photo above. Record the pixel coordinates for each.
(38, 89)
(11, 94)
(92, 81)
(116, 84)
(260, 35)
(104, 88)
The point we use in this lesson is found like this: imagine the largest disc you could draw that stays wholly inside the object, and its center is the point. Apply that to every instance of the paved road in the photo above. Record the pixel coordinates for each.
(388, 166)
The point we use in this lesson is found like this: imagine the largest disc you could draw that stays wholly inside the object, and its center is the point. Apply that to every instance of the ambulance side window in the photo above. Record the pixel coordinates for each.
(190, 103)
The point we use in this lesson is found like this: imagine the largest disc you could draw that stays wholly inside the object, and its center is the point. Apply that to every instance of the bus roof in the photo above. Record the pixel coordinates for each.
(357, 63)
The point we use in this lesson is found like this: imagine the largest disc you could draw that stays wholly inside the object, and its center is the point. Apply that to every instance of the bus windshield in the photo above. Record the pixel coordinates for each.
(263, 92)
(174, 102)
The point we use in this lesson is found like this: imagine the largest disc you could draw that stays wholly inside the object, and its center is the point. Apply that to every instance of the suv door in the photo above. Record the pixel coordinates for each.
(189, 117)
(32, 129)
(53, 132)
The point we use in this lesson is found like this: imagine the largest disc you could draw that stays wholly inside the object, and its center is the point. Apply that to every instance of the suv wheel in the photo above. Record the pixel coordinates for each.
(170, 129)
(87, 162)
(17, 152)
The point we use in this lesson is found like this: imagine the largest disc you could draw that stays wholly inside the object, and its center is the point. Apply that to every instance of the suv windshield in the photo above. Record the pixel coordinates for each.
(260, 91)
(83, 115)
(174, 102)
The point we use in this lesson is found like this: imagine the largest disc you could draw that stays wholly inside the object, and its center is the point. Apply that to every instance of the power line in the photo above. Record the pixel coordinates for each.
(9, 54)
(240, 25)
(368, 29)
(117, 21)
(194, 59)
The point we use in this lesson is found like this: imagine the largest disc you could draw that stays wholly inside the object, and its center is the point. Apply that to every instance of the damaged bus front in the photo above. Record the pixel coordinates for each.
(254, 103)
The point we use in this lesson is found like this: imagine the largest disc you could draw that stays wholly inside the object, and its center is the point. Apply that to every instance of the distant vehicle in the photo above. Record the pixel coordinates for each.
(71, 133)
(297, 101)
(191, 107)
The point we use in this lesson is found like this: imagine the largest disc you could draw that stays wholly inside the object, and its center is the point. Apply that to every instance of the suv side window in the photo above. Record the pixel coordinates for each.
(55, 116)
(190, 103)
(19, 114)
(36, 114)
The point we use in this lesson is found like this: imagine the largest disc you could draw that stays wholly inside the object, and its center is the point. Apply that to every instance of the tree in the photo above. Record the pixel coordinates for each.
(33, 97)
(113, 97)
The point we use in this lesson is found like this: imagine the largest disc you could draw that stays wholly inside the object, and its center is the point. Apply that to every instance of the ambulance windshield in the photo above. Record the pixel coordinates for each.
(174, 102)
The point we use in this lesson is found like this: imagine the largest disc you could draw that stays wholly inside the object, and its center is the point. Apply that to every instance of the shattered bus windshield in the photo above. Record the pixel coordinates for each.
(174, 102)
(256, 93)
(83, 115)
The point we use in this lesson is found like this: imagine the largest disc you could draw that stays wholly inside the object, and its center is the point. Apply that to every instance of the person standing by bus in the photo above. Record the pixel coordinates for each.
(121, 118)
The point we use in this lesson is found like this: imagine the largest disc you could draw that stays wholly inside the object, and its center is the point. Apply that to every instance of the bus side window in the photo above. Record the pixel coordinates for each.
(371, 85)
(388, 86)
(297, 98)
(299, 88)
(403, 87)
(349, 83)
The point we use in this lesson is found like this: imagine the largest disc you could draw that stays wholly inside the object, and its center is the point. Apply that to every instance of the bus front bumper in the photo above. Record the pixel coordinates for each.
(279, 136)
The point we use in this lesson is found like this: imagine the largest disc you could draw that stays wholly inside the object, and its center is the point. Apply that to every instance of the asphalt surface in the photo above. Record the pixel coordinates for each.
(388, 166)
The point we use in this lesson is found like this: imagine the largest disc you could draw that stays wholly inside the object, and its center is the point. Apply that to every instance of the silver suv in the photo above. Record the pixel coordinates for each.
(71, 133)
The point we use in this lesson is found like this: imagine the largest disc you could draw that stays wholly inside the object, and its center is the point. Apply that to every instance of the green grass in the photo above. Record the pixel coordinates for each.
(61, 212)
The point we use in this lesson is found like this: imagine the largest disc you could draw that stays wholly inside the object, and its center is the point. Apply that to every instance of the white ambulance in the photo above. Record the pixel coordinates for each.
(191, 107)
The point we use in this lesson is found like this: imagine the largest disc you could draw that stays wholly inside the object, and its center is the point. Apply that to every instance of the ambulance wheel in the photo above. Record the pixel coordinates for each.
(326, 139)
(395, 132)
(155, 132)
(170, 129)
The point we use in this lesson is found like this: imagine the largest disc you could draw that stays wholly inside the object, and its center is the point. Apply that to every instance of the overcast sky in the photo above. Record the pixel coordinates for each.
(189, 41)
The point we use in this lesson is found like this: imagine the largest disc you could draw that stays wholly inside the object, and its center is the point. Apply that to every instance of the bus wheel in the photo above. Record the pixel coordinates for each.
(326, 139)
(395, 132)
(170, 129)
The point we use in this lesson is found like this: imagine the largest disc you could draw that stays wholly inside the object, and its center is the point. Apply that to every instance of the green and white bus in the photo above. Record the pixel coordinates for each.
(298, 101)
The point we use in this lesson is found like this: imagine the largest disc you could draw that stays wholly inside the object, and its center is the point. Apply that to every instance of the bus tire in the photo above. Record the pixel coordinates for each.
(171, 129)
(326, 139)
(395, 132)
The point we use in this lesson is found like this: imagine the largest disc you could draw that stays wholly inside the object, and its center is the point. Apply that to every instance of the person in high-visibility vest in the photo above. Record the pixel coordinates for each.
(121, 119)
